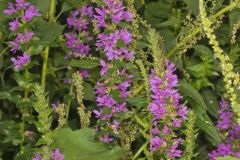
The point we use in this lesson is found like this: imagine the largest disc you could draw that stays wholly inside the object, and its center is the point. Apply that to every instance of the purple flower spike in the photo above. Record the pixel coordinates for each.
(21, 4)
(54, 155)
(55, 105)
(14, 25)
(57, 155)
(87, 11)
(100, 18)
(116, 46)
(104, 67)
(97, 113)
(173, 152)
(225, 115)
(165, 95)
(106, 139)
(21, 39)
(107, 101)
(30, 13)
(156, 142)
(37, 156)
(11, 9)
(84, 73)
(230, 131)
(21, 61)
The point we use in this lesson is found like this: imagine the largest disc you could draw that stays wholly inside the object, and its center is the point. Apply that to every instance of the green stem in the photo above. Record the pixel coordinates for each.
(199, 29)
(44, 67)
(46, 51)
(24, 114)
(69, 102)
(140, 150)
(1, 53)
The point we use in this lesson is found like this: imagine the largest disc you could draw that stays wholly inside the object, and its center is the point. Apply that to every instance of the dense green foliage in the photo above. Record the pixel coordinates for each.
(28, 122)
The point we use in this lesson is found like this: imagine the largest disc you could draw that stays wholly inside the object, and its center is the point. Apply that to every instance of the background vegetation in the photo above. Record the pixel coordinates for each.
(182, 40)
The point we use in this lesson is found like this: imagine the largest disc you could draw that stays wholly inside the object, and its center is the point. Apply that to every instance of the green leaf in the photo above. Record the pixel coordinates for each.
(22, 79)
(48, 31)
(137, 101)
(204, 52)
(211, 102)
(126, 65)
(234, 18)
(227, 158)
(88, 92)
(5, 95)
(66, 6)
(203, 121)
(188, 90)
(79, 145)
(193, 5)
(42, 5)
(84, 63)
(138, 4)
(3, 16)
(141, 44)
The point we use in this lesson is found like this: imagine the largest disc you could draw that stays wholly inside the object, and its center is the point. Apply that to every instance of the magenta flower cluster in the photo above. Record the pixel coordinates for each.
(230, 131)
(109, 107)
(55, 155)
(25, 9)
(24, 13)
(115, 44)
(21, 60)
(113, 11)
(80, 21)
(167, 112)
(109, 43)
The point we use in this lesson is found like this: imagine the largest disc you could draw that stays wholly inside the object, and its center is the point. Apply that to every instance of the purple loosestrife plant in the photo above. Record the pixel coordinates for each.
(108, 42)
(25, 12)
(110, 108)
(113, 11)
(167, 113)
(230, 131)
(21, 61)
(115, 44)
(77, 40)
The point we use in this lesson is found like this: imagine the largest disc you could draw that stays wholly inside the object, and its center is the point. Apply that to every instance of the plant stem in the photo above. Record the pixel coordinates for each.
(199, 29)
(140, 150)
(24, 114)
(46, 51)
(44, 67)
(4, 51)
(69, 102)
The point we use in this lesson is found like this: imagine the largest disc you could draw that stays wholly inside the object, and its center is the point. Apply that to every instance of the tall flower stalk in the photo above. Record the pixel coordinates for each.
(114, 42)
(24, 12)
(167, 113)
(77, 40)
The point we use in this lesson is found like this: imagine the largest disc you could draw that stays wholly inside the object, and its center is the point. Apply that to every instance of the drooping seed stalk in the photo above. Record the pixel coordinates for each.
(213, 19)
(230, 77)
